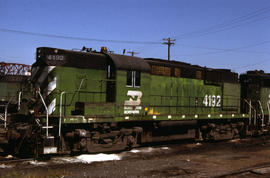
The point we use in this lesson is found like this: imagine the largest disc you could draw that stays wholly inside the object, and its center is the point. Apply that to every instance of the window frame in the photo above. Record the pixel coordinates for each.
(133, 79)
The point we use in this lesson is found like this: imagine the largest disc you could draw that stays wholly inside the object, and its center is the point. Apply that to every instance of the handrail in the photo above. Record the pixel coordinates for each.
(5, 121)
(47, 114)
(261, 112)
(251, 107)
(6, 108)
(268, 107)
(60, 112)
(19, 100)
(79, 88)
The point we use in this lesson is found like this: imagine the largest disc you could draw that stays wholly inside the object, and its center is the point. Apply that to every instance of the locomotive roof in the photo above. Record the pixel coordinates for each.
(181, 64)
(130, 63)
(98, 60)
(163, 62)
(92, 59)
(189, 71)
(256, 77)
(257, 74)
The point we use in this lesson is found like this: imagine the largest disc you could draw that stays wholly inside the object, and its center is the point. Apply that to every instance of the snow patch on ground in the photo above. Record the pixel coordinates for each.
(61, 160)
(135, 151)
(88, 158)
(38, 163)
(235, 140)
(2, 166)
(9, 156)
(145, 150)
(148, 150)
(98, 157)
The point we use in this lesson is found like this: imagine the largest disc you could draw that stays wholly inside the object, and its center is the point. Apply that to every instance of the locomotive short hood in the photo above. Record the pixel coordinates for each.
(94, 60)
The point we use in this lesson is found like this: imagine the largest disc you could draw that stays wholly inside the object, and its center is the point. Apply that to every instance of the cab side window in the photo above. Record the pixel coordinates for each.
(133, 78)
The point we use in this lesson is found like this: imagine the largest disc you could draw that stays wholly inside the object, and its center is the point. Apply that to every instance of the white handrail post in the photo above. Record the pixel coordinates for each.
(47, 114)
(261, 112)
(255, 117)
(5, 124)
(19, 100)
(249, 112)
(6, 112)
(60, 112)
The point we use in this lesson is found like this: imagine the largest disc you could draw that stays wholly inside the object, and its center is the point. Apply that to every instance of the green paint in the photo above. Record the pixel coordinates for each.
(265, 98)
(181, 98)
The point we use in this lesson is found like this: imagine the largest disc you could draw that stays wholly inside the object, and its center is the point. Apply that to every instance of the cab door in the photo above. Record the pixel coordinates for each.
(110, 83)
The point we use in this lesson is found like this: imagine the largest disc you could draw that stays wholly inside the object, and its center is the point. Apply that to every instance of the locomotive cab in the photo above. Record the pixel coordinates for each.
(255, 92)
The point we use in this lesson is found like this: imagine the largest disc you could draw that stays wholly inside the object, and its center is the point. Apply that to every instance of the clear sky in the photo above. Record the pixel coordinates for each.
(231, 34)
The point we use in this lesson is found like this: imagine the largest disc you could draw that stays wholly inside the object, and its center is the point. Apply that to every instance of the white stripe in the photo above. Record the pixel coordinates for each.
(50, 68)
(51, 107)
(51, 86)
(44, 74)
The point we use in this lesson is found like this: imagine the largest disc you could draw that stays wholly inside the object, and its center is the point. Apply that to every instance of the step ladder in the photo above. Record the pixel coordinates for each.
(49, 143)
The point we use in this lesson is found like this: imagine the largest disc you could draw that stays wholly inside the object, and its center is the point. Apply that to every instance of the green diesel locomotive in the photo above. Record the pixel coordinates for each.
(88, 101)
(97, 101)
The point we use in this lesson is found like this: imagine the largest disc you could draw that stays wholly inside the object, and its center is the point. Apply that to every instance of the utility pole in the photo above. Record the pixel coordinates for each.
(169, 43)
(132, 53)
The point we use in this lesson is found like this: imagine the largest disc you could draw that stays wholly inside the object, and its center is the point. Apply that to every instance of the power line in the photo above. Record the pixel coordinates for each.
(226, 25)
(232, 27)
(250, 65)
(220, 50)
(169, 43)
(232, 21)
(77, 38)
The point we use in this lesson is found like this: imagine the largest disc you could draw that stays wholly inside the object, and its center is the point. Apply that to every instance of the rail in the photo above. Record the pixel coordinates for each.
(244, 170)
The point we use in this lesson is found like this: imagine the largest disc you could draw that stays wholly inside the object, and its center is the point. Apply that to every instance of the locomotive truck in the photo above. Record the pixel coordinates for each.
(88, 101)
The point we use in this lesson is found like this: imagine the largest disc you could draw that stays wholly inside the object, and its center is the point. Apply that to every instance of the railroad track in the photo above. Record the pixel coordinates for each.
(250, 140)
(259, 170)
(14, 160)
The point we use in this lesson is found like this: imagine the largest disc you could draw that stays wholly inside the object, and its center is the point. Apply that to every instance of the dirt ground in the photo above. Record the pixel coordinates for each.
(188, 159)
